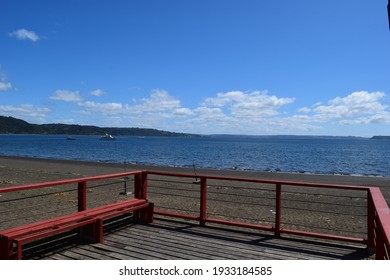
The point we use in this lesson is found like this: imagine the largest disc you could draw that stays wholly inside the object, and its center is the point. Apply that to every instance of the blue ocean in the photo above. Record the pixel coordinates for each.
(316, 155)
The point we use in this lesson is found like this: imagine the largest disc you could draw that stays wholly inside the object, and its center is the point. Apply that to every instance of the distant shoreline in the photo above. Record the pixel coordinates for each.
(10, 125)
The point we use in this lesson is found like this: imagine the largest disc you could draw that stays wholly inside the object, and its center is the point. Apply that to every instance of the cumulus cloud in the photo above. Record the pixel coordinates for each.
(67, 96)
(24, 34)
(160, 103)
(159, 100)
(238, 112)
(260, 113)
(357, 108)
(249, 104)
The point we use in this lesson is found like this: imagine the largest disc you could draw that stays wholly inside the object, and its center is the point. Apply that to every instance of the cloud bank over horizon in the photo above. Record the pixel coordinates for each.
(233, 112)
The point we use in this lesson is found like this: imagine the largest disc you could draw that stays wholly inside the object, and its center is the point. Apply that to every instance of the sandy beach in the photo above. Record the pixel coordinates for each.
(16, 171)
(19, 171)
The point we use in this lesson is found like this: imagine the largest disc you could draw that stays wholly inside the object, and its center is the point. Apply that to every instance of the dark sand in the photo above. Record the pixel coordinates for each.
(19, 171)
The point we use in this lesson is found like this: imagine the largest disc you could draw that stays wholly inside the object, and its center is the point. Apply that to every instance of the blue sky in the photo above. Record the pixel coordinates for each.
(259, 67)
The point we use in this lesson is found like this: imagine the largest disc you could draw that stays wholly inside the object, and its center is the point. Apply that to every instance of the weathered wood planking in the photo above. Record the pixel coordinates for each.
(166, 239)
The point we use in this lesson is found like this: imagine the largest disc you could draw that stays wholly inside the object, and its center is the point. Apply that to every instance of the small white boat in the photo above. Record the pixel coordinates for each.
(107, 137)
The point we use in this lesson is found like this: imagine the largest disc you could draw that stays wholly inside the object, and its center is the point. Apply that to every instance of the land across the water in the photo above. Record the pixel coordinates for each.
(19, 171)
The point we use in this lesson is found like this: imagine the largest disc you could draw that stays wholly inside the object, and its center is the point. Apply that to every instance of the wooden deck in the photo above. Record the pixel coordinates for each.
(169, 239)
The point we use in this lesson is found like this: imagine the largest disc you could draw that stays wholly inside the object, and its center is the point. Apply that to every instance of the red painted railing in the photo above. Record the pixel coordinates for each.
(377, 235)
(23, 211)
(378, 224)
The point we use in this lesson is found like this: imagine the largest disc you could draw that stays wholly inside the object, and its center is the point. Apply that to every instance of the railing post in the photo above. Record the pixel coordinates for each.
(144, 185)
(82, 196)
(370, 223)
(203, 201)
(137, 185)
(141, 185)
(380, 246)
(278, 209)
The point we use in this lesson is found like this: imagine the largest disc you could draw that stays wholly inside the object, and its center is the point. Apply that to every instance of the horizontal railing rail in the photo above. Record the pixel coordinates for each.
(67, 181)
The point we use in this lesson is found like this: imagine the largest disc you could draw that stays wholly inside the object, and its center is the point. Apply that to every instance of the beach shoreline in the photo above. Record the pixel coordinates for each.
(23, 170)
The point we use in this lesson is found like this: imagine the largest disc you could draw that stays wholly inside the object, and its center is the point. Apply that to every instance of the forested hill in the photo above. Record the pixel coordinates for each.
(10, 125)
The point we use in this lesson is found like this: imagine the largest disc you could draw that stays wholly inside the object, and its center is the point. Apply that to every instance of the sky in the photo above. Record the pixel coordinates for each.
(252, 67)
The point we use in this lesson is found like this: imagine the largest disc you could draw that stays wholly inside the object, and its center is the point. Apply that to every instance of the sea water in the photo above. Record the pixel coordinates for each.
(317, 155)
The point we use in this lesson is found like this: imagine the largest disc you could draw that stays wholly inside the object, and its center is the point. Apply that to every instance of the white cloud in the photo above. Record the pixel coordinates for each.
(160, 104)
(24, 34)
(104, 108)
(25, 111)
(236, 112)
(159, 100)
(67, 96)
(231, 112)
(254, 104)
(4, 86)
(183, 112)
(208, 121)
(223, 99)
(210, 113)
(357, 108)
(259, 113)
(97, 92)
(304, 110)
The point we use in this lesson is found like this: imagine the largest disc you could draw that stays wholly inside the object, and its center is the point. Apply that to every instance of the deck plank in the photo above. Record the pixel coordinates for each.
(209, 249)
(169, 239)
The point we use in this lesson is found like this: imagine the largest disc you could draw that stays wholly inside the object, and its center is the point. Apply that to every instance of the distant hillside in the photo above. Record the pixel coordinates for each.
(10, 125)
(380, 137)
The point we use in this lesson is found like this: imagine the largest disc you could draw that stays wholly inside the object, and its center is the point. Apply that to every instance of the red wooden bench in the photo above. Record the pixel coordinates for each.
(89, 221)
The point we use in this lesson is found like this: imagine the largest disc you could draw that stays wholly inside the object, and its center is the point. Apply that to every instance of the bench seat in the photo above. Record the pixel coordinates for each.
(89, 221)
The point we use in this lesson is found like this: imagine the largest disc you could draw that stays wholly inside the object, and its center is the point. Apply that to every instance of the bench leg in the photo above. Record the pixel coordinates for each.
(146, 214)
(99, 230)
(93, 231)
(6, 248)
(150, 213)
(19, 250)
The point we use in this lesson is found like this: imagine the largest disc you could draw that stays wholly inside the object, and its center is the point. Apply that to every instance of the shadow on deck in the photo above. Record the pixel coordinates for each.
(170, 239)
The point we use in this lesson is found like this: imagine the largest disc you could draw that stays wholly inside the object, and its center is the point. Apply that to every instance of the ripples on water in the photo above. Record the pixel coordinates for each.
(349, 156)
